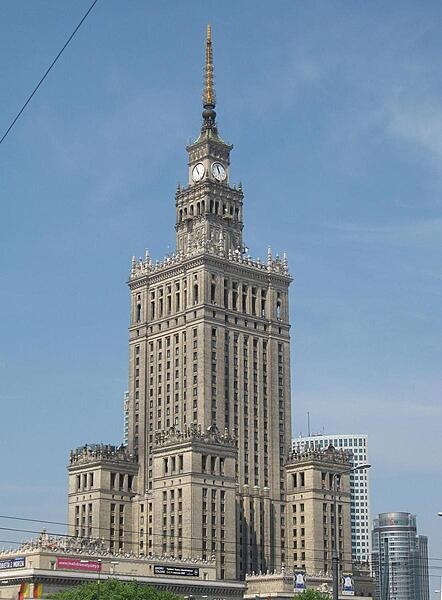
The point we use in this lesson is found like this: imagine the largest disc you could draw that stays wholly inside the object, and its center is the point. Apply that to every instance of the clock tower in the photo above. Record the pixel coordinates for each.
(208, 406)
(209, 210)
(209, 375)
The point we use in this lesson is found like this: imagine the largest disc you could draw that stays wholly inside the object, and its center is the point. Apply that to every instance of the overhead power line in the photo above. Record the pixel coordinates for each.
(47, 71)
(433, 569)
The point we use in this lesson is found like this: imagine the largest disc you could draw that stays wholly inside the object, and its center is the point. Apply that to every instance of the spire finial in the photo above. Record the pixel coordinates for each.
(209, 113)
(209, 92)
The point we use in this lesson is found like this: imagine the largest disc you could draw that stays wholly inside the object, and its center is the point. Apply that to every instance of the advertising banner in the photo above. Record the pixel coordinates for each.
(13, 563)
(178, 571)
(77, 564)
(299, 581)
(347, 585)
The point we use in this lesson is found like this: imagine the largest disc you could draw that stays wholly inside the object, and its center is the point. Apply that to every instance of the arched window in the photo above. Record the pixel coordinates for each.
(195, 293)
(138, 312)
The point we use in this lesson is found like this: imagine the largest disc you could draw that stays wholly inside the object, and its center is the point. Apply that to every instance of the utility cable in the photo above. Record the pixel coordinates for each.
(433, 570)
(156, 535)
(127, 542)
(47, 71)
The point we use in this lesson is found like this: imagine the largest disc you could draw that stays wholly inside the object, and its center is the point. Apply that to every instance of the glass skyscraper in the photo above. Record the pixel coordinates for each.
(400, 558)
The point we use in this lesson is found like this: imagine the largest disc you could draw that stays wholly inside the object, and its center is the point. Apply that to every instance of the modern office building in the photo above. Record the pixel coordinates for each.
(209, 408)
(357, 448)
(400, 558)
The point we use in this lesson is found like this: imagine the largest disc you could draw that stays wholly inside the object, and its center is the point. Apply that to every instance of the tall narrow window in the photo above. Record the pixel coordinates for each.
(235, 295)
(263, 304)
(244, 298)
(213, 290)
(253, 301)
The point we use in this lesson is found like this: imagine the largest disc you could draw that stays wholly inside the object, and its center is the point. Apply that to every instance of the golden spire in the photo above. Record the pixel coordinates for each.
(209, 92)
(209, 114)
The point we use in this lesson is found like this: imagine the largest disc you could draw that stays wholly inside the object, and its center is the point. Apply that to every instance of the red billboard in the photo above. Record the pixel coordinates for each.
(78, 564)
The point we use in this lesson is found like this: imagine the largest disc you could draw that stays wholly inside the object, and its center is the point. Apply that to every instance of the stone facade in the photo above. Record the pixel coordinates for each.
(280, 585)
(310, 510)
(357, 447)
(208, 405)
(50, 563)
(102, 484)
(207, 473)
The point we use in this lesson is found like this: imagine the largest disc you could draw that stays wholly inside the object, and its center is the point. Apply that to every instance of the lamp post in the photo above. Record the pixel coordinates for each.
(335, 553)
(439, 514)
(99, 578)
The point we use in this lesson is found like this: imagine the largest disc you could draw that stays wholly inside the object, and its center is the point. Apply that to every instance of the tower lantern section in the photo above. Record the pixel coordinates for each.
(209, 211)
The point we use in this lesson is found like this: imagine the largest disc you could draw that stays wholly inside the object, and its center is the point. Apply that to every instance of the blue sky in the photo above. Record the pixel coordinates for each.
(335, 112)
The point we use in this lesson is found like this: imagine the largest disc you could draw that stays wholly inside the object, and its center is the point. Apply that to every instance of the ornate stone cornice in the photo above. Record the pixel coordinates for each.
(143, 268)
(328, 455)
(211, 435)
(90, 453)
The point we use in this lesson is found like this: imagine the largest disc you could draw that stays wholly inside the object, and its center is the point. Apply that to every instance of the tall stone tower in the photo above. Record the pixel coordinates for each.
(209, 416)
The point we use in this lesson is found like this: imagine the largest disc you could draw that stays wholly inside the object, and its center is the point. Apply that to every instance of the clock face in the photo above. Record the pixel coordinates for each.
(198, 172)
(218, 171)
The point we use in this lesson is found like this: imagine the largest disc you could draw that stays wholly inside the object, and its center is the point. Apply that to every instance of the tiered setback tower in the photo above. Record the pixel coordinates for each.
(209, 348)
(356, 445)
(310, 512)
(209, 378)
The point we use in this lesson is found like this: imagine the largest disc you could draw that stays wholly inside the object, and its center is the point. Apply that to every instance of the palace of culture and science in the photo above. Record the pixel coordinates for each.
(208, 470)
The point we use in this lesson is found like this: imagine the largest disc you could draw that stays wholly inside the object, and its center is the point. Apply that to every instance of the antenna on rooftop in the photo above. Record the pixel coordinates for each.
(308, 423)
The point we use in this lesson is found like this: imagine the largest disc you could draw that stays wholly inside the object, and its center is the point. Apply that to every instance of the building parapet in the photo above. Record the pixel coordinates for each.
(142, 267)
(91, 547)
(93, 452)
(60, 543)
(328, 455)
(279, 585)
(194, 432)
(284, 572)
